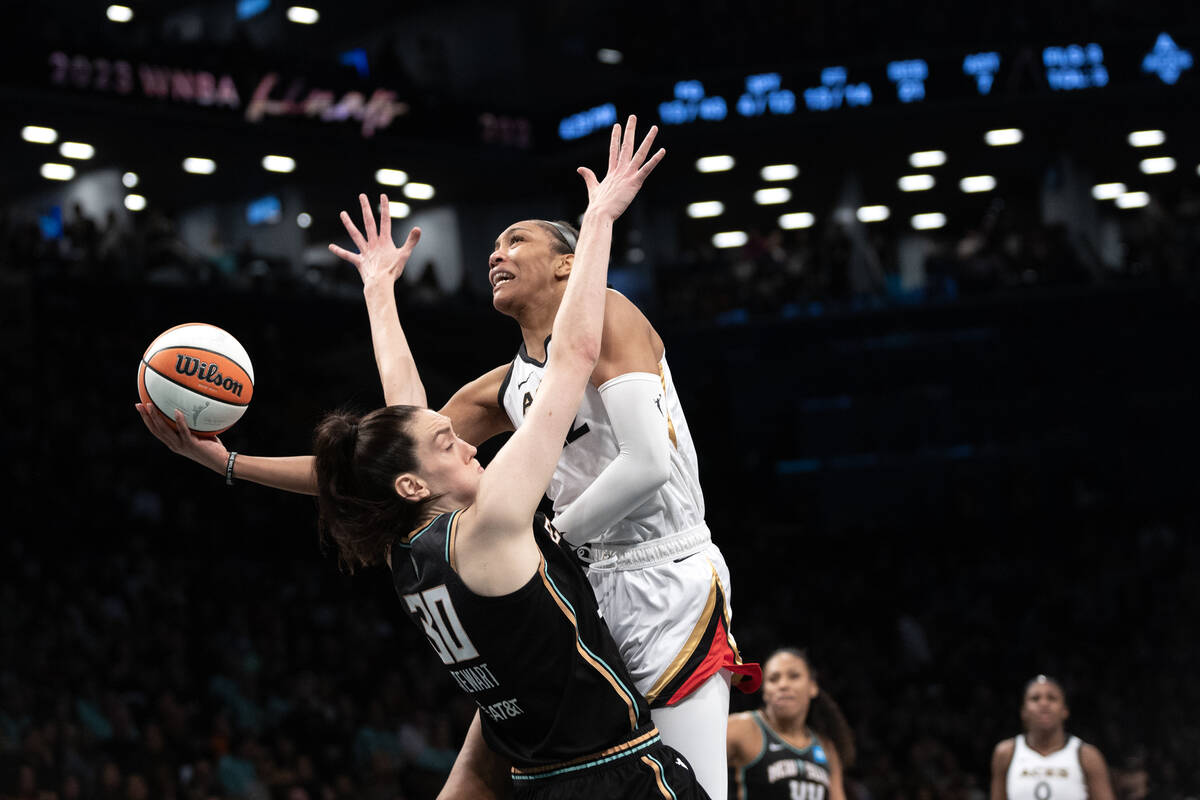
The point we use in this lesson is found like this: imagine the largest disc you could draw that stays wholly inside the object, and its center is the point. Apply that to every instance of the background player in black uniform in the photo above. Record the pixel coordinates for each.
(507, 610)
(795, 746)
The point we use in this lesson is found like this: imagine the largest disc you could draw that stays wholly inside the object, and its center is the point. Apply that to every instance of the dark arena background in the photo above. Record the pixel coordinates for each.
(927, 274)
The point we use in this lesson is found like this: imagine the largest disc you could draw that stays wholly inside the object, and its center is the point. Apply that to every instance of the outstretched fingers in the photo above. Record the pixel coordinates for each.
(630, 137)
(385, 217)
(649, 166)
(640, 155)
(614, 146)
(368, 216)
(589, 179)
(352, 229)
(414, 236)
(345, 255)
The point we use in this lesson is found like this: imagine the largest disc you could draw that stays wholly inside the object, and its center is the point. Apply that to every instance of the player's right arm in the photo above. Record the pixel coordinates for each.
(478, 772)
(380, 264)
(743, 740)
(1002, 756)
(473, 410)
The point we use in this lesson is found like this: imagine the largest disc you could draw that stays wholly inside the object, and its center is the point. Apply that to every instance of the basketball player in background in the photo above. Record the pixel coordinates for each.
(795, 746)
(1045, 763)
(626, 491)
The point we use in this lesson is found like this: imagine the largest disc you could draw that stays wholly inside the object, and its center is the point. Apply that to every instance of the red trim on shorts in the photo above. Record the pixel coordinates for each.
(746, 677)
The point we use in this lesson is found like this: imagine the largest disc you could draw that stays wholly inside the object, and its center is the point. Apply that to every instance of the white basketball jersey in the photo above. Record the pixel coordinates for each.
(591, 445)
(1058, 776)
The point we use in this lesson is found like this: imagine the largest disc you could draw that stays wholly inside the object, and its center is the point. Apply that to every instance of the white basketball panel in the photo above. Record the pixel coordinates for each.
(208, 337)
(203, 414)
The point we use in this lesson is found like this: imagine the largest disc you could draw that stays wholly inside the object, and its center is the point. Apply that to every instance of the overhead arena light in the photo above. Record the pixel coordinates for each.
(1157, 166)
(398, 210)
(1133, 200)
(607, 55)
(779, 172)
(929, 222)
(705, 208)
(39, 135)
(303, 15)
(120, 13)
(924, 159)
(1108, 191)
(199, 166)
(129, 180)
(418, 191)
(1147, 138)
(278, 163)
(873, 213)
(1002, 137)
(304, 219)
(977, 183)
(135, 202)
(58, 172)
(391, 177)
(773, 196)
(729, 239)
(77, 150)
(714, 164)
(796, 220)
(915, 183)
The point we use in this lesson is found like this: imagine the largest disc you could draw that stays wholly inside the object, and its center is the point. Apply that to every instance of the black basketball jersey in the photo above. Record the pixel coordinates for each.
(540, 662)
(781, 771)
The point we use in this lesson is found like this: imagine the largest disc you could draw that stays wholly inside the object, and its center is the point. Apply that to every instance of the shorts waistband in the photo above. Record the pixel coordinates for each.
(598, 555)
(640, 741)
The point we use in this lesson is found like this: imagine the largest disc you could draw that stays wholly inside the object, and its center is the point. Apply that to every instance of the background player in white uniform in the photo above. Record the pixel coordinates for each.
(663, 587)
(1045, 763)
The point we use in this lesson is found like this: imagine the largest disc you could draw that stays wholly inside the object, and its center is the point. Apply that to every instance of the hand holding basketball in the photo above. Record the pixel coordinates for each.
(207, 451)
(378, 259)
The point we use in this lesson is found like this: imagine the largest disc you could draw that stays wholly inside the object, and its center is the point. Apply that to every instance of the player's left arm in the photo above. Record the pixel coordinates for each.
(631, 389)
(1095, 773)
(837, 787)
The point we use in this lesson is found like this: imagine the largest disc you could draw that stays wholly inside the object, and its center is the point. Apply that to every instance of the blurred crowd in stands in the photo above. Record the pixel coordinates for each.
(838, 263)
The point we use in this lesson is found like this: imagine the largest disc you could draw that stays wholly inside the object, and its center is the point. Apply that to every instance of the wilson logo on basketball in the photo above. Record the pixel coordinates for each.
(209, 373)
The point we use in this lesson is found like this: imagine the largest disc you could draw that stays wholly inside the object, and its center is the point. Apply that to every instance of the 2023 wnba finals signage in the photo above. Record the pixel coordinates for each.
(269, 96)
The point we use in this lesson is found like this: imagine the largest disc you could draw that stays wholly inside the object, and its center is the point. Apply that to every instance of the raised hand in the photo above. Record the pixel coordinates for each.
(378, 258)
(203, 450)
(627, 170)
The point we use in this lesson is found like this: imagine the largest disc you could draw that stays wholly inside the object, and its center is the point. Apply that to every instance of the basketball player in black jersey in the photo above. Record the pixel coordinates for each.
(793, 748)
(508, 611)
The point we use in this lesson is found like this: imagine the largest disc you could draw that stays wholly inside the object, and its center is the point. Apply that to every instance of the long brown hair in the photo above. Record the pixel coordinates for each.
(357, 461)
(825, 716)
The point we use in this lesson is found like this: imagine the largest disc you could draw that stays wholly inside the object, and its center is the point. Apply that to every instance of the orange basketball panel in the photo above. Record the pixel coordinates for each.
(205, 372)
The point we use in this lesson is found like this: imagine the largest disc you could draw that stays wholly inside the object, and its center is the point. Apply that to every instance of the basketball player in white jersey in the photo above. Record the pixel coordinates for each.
(1045, 763)
(626, 491)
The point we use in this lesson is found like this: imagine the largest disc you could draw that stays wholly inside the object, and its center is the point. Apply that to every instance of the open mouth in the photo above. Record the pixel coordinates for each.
(500, 277)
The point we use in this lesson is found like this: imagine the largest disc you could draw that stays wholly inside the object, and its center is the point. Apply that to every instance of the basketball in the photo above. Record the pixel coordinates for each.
(201, 370)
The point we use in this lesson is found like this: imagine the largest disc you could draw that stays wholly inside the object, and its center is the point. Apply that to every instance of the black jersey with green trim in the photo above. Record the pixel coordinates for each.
(781, 771)
(540, 663)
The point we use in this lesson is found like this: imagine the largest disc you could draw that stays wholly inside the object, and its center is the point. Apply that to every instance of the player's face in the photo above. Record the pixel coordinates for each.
(448, 463)
(788, 686)
(1044, 707)
(521, 267)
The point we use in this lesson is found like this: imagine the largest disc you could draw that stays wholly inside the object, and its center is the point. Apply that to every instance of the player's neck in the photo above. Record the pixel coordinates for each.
(795, 729)
(537, 321)
(1046, 742)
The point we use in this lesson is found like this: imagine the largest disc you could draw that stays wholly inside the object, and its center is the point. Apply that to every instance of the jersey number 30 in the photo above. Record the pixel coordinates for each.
(439, 620)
